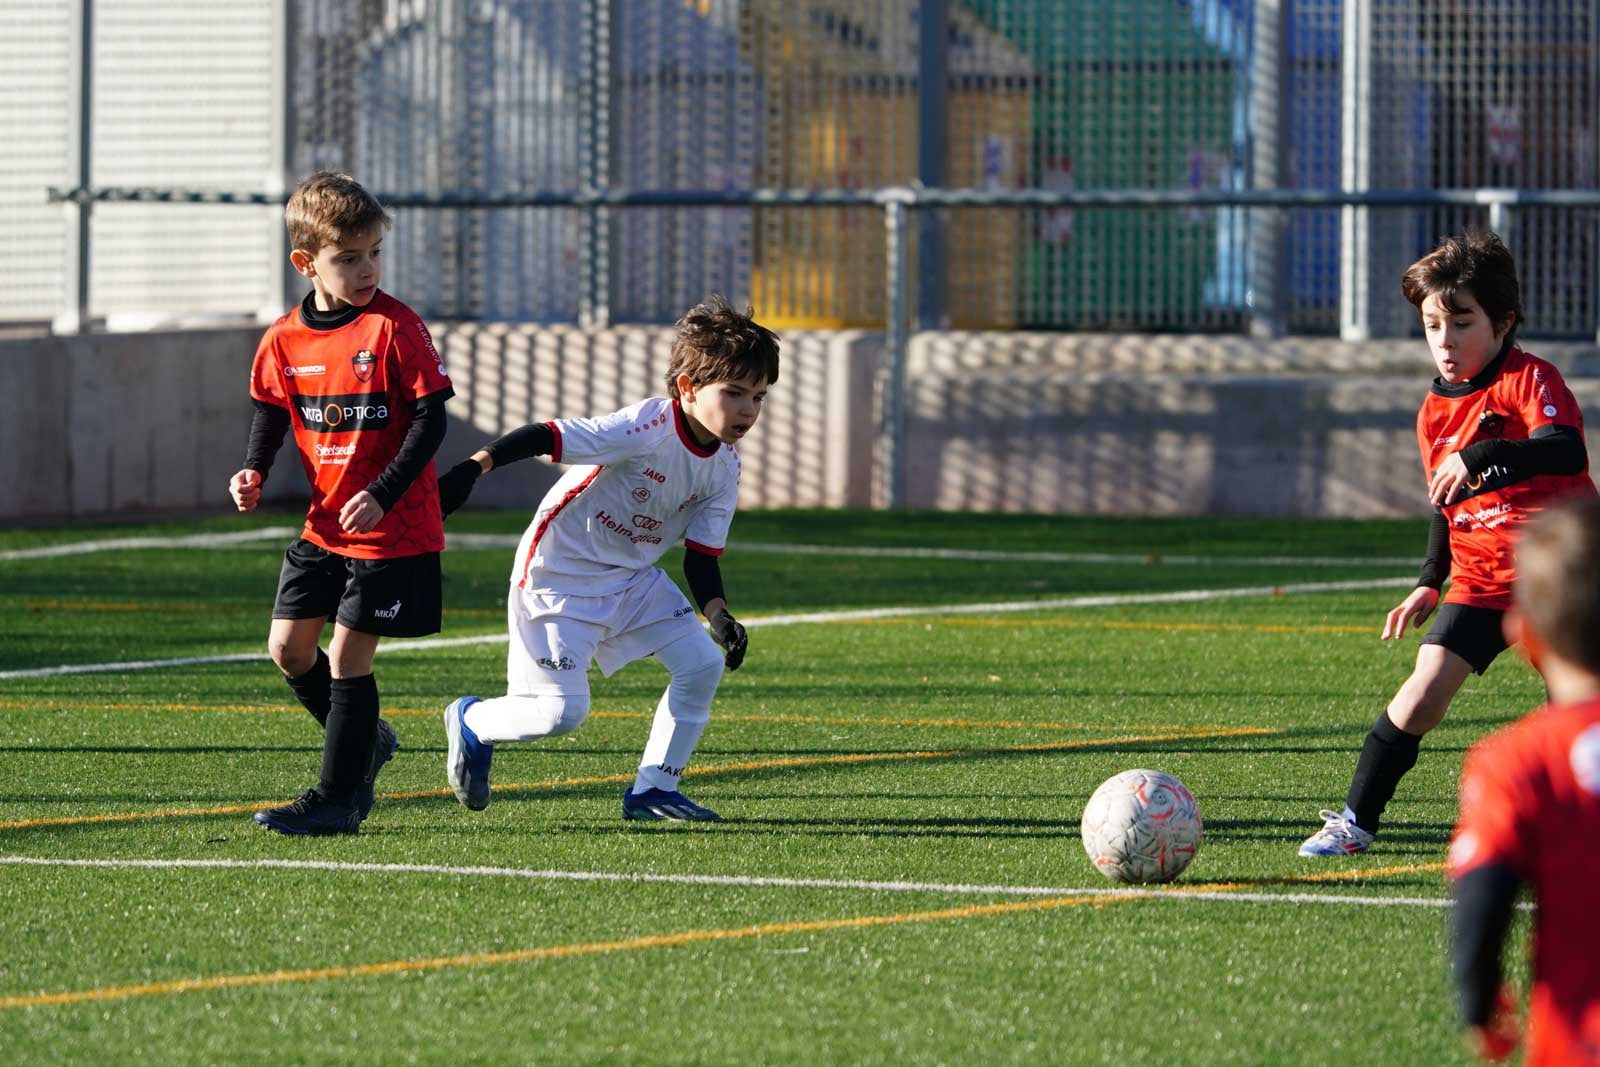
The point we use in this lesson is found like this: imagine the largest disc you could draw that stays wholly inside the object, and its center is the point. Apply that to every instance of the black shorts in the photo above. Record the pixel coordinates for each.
(1472, 633)
(389, 597)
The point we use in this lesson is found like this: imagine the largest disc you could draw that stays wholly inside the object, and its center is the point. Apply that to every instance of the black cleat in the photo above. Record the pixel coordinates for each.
(384, 746)
(311, 814)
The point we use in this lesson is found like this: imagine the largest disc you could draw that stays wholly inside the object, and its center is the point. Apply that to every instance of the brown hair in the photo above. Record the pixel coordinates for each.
(1476, 261)
(1558, 580)
(328, 207)
(715, 343)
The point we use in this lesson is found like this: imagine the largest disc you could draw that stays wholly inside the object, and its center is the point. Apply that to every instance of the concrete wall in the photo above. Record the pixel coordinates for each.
(111, 424)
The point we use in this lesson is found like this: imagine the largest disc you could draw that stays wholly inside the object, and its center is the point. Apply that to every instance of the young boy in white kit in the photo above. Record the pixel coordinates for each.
(584, 586)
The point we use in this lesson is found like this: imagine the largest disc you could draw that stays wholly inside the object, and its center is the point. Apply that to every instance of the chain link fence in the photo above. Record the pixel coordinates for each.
(500, 98)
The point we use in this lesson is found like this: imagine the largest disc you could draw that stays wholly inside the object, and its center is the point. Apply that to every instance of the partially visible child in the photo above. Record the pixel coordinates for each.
(583, 584)
(355, 374)
(1530, 812)
(1501, 439)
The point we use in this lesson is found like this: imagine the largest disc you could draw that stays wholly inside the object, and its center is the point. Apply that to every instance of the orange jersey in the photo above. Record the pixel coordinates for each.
(351, 392)
(1517, 397)
(1530, 801)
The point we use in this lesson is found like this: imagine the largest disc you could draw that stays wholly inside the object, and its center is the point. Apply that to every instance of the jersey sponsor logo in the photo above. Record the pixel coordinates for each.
(655, 476)
(641, 494)
(335, 454)
(389, 612)
(1448, 440)
(364, 363)
(340, 414)
(645, 522)
(1549, 411)
(427, 343)
(310, 370)
(625, 530)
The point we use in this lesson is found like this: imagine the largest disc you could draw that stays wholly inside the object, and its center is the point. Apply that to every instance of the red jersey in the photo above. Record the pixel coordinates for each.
(351, 391)
(1516, 397)
(1530, 801)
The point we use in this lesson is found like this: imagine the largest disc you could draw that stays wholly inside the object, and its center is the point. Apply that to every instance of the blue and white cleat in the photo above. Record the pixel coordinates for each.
(467, 765)
(669, 805)
(1338, 837)
(384, 746)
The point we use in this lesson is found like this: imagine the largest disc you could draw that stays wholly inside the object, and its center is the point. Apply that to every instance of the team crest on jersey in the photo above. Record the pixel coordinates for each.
(364, 363)
(1491, 424)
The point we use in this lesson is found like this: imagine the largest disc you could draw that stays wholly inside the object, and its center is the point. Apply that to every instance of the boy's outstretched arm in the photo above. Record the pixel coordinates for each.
(268, 426)
(704, 575)
(455, 485)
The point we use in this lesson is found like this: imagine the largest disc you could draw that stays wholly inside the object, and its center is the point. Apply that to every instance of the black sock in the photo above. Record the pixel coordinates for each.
(314, 688)
(1388, 753)
(347, 746)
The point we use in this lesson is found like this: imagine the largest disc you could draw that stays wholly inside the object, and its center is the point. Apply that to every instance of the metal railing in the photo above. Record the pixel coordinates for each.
(897, 204)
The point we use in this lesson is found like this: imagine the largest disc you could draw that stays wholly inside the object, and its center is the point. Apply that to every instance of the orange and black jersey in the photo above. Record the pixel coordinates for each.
(1520, 434)
(351, 383)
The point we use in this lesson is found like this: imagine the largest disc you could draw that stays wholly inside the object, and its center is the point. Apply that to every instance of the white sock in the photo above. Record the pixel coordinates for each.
(527, 718)
(683, 711)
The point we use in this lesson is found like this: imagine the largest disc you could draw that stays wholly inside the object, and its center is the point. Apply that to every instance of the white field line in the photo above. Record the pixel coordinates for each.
(468, 542)
(116, 544)
(1189, 596)
(745, 881)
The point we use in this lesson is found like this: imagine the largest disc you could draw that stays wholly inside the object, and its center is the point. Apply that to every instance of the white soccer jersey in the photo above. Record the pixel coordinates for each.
(642, 484)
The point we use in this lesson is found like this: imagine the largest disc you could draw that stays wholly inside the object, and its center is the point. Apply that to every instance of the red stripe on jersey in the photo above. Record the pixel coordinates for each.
(555, 455)
(680, 422)
(696, 546)
(533, 547)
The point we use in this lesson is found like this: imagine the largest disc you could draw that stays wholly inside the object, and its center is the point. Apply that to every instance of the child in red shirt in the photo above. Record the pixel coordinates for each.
(355, 374)
(1530, 811)
(1501, 439)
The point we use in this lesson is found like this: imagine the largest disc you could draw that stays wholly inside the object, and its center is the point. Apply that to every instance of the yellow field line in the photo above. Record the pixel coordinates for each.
(721, 768)
(1109, 624)
(825, 720)
(688, 937)
(165, 607)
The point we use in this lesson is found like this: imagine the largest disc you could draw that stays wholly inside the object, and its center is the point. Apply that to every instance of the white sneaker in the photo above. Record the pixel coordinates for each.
(1338, 837)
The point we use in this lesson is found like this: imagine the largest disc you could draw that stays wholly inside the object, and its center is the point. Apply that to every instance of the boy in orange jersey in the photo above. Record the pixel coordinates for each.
(355, 373)
(1501, 439)
(1530, 812)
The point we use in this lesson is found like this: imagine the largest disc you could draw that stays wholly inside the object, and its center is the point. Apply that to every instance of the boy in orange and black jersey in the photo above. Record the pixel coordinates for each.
(355, 374)
(1530, 812)
(1501, 439)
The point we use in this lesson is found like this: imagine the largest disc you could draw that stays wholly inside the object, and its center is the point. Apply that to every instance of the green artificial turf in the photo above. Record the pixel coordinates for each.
(951, 750)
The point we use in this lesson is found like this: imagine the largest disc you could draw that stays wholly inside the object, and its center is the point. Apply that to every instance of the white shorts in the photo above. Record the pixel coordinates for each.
(554, 636)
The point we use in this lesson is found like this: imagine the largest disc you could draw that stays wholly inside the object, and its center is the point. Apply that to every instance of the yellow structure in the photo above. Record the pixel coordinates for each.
(840, 111)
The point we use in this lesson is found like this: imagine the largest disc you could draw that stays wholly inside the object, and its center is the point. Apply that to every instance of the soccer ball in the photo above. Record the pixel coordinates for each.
(1141, 826)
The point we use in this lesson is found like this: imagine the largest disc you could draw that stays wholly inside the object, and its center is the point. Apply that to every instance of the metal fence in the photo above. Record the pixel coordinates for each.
(506, 99)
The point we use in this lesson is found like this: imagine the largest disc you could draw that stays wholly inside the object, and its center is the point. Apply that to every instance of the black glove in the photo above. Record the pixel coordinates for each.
(727, 632)
(455, 485)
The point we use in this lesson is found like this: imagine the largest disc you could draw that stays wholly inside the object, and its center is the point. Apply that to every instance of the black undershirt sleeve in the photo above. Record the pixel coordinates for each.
(534, 439)
(1436, 562)
(704, 575)
(1551, 450)
(1485, 901)
(421, 442)
(268, 425)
